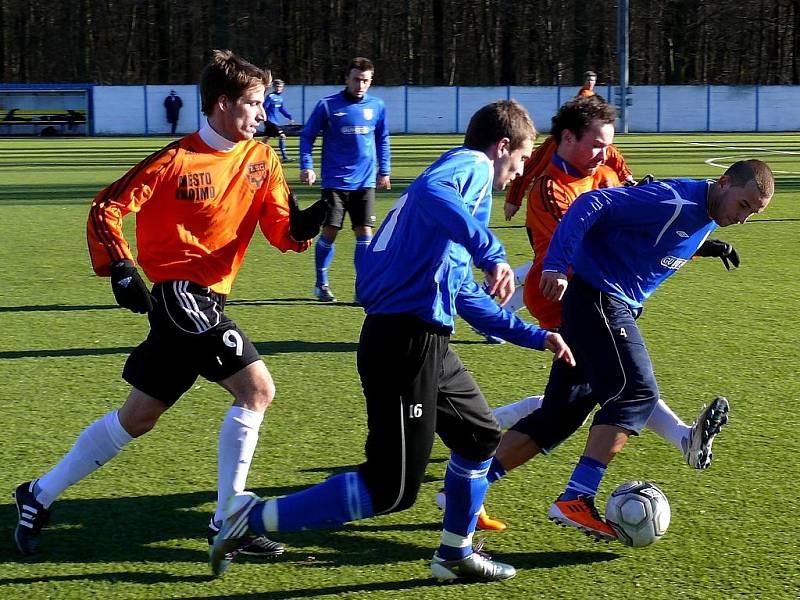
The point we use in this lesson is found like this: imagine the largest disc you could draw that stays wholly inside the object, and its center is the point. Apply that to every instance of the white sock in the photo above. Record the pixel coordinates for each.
(238, 437)
(667, 425)
(95, 446)
(521, 273)
(511, 413)
(517, 300)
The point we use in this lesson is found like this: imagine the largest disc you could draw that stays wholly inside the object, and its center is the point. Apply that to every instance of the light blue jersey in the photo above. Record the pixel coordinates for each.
(273, 106)
(420, 260)
(627, 241)
(355, 139)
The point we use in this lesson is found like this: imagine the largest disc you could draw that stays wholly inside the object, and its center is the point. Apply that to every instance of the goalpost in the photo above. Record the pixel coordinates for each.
(45, 109)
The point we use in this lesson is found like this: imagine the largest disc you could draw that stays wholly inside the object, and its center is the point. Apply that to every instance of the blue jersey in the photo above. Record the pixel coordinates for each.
(627, 241)
(273, 106)
(355, 139)
(420, 260)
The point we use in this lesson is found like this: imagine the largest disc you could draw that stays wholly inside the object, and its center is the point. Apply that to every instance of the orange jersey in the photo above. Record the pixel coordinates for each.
(551, 196)
(585, 92)
(542, 156)
(196, 211)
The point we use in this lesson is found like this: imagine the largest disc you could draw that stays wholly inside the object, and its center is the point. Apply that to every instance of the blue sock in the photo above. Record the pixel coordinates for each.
(496, 471)
(282, 146)
(585, 479)
(329, 504)
(323, 255)
(362, 243)
(465, 485)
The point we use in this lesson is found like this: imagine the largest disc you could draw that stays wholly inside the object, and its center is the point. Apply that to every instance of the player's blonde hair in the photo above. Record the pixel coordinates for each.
(227, 74)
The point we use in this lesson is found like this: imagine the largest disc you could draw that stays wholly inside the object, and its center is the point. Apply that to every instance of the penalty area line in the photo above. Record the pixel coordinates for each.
(716, 160)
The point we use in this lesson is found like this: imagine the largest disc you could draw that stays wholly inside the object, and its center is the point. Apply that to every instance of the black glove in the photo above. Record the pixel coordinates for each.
(272, 130)
(720, 249)
(129, 289)
(305, 224)
(647, 179)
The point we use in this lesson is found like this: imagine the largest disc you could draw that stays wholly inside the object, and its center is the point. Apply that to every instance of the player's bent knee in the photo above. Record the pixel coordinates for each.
(479, 446)
(140, 413)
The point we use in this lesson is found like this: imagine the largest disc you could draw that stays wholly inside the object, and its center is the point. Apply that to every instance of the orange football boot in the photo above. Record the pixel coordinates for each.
(581, 514)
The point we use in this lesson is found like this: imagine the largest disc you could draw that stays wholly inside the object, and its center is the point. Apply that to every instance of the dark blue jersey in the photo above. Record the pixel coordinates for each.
(627, 241)
(355, 140)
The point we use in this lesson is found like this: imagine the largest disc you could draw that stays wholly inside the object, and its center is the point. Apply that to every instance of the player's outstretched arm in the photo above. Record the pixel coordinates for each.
(556, 344)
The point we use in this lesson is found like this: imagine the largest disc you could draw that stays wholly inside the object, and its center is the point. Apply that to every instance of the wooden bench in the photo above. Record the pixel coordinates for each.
(23, 120)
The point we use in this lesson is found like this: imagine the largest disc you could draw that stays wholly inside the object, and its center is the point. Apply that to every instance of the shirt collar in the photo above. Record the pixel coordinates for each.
(566, 167)
(215, 140)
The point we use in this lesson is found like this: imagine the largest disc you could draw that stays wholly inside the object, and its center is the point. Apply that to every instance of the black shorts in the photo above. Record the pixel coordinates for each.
(360, 204)
(613, 370)
(190, 335)
(415, 386)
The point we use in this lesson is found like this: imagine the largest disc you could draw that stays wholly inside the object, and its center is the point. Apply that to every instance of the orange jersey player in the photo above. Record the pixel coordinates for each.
(539, 160)
(552, 194)
(197, 203)
(196, 211)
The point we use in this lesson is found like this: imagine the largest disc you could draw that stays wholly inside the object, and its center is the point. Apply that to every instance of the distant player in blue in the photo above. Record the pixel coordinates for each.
(355, 145)
(621, 244)
(415, 275)
(273, 107)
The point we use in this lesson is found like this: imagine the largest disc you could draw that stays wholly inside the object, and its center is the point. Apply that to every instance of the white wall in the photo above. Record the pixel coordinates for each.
(138, 110)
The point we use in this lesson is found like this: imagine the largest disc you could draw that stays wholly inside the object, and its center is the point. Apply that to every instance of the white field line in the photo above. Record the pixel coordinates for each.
(716, 161)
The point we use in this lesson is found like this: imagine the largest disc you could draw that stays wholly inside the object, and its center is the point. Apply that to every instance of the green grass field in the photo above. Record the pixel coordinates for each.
(136, 528)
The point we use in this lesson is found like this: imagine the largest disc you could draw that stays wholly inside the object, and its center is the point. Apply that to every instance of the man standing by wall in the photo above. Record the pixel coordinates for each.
(173, 105)
(355, 141)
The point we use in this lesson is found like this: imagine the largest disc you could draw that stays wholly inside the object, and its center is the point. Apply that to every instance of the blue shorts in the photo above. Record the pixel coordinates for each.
(613, 370)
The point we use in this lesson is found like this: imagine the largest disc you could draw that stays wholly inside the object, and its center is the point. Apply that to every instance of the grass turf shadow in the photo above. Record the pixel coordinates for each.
(172, 528)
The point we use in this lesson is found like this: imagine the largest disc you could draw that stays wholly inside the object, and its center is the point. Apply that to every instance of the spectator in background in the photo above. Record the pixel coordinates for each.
(273, 106)
(355, 144)
(589, 79)
(173, 105)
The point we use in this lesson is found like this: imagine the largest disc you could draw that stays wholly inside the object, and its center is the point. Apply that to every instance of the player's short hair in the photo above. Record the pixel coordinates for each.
(589, 74)
(578, 113)
(744, 171)
(277, 82)
(360, 63)
(227, 74)
(493, 122)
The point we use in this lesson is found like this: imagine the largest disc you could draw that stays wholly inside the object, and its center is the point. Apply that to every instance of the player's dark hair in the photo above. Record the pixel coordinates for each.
(746, 170)
(360, 63)
(498, 120)
(589, 74)
(228, 75)
(578, 113)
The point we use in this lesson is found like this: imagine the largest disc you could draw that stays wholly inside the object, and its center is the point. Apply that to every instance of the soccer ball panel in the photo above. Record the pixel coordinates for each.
(639, 512)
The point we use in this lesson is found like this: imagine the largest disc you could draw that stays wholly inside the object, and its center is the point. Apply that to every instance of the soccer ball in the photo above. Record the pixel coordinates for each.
(639, 512)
